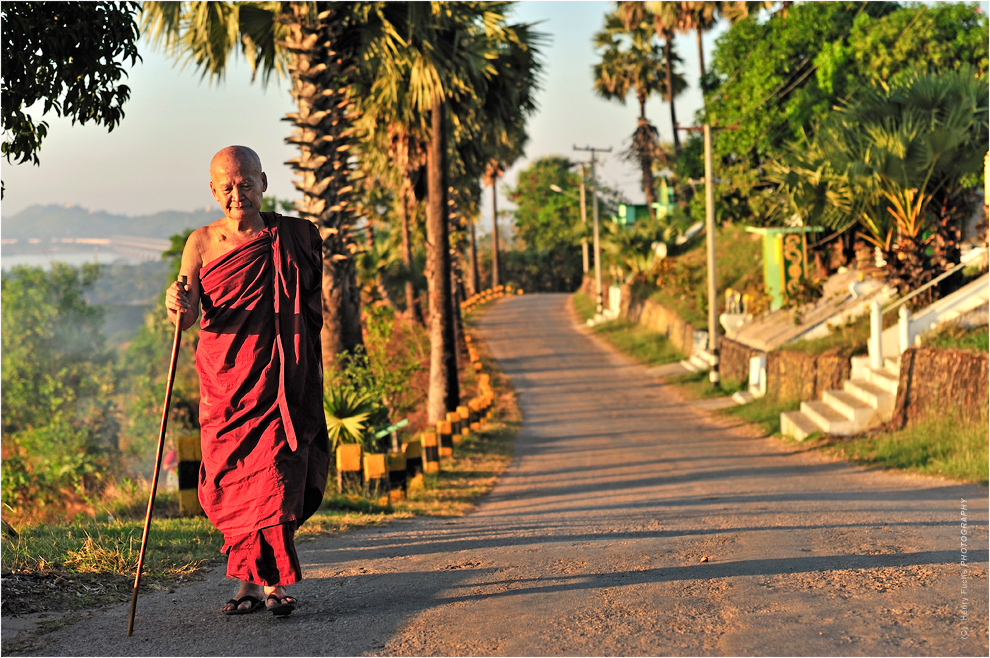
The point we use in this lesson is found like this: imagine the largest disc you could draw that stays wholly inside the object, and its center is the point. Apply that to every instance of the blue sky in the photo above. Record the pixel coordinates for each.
(158, 157)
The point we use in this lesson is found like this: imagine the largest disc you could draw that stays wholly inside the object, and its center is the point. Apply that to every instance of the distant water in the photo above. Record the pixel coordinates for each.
(73, 258)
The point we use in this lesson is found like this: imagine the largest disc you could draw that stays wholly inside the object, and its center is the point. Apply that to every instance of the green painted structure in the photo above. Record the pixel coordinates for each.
(785, 259)
(630, 213)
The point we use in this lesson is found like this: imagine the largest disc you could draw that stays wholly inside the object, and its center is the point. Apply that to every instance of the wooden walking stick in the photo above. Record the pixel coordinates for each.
(158, 462)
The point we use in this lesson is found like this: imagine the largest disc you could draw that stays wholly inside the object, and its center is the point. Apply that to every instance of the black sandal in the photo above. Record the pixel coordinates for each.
(282, 606)
(255, 602)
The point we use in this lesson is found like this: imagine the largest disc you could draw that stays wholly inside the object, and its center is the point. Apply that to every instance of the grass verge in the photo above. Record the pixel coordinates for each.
(584, 305)
(763, 412)
(631, 338)
(945, 446)
(697, 386)
(956, 337)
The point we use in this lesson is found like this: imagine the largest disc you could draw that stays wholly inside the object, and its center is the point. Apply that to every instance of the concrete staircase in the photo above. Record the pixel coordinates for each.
(867, 399)
(864, 401)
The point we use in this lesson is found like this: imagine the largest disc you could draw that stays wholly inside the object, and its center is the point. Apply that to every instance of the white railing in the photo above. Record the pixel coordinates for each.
(907, 328)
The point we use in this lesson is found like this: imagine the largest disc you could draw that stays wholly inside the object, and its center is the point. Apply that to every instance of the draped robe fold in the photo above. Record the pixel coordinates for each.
(266, 453)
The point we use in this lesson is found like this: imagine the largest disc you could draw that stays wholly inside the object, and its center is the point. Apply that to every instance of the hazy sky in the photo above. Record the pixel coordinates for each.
(158, 157)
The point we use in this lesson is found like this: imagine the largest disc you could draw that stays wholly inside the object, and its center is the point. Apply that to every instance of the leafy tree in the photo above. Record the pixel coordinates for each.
(68, 56)
(775, 80)
(144, 366)
(548, 226)
(545, 218)
(59, 428)
(893, 47)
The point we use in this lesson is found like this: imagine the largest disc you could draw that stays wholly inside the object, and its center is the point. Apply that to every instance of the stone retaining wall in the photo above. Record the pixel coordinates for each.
(733, 360)
(799, 376)
(941, 382)
(932, 381)
(660, 319)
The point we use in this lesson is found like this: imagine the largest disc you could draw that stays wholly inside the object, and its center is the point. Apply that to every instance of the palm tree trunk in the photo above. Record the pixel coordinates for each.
(646, 163)
(457, 296)
(414, 312)
(701, 53)
(320, 133)
(495, 277)
(474, 278)
(443, 394)
(667, 46)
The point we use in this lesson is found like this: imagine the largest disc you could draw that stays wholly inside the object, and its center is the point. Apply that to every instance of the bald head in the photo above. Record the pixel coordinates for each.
(238, 183)
(246, 158)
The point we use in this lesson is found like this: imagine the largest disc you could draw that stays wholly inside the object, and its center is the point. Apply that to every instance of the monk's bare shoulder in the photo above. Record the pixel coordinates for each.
(197, 250)
(211, 241)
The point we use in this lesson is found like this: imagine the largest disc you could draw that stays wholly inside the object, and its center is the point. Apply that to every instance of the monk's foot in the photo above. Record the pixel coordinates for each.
(247, 600)
(278, 602)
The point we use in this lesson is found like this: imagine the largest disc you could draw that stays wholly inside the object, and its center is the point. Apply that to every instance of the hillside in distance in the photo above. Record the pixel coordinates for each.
(61, 221)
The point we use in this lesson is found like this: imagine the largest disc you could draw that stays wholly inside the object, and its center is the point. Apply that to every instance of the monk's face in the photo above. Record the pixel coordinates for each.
(238, 185)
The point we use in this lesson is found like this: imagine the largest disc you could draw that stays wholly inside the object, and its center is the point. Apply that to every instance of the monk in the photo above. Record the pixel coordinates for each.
(266, 453)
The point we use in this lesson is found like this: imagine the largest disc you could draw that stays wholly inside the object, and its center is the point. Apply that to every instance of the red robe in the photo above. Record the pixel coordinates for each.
(266, 453)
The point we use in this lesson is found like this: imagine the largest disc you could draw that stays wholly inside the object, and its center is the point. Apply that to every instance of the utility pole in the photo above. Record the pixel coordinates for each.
(594, 200)
(585, 260)
(713, 374)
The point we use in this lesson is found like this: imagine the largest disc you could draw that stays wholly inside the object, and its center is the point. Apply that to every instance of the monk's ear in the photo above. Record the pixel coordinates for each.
(264, 182)
(213, 191)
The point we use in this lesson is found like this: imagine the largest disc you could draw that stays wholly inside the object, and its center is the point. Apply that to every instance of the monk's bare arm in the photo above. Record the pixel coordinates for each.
(186, 299)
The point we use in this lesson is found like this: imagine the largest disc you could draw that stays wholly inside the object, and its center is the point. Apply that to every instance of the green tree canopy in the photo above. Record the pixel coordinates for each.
(59, 429)
(68, 56)
(544, 218)
(778, 78)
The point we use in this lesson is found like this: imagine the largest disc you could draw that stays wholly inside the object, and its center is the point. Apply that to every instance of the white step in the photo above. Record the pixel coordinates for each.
(878, 398)
(742, 397)
(861, 414)
(830, 420)
(884, 378)
(697, 362)
(797, 425)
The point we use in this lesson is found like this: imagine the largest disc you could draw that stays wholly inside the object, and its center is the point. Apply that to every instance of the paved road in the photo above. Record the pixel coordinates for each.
(627, 524)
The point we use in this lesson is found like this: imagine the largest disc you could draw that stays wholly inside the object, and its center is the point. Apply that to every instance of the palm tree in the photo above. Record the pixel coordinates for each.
(665, 17)
(447, 59)
(393, 159)
(639, 67)
(700, 17)
(318, 45)
(508, 101)
(737, 11)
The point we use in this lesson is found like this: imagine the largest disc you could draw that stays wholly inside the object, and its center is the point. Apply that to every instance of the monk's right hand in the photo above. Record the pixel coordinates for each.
(176, 299)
